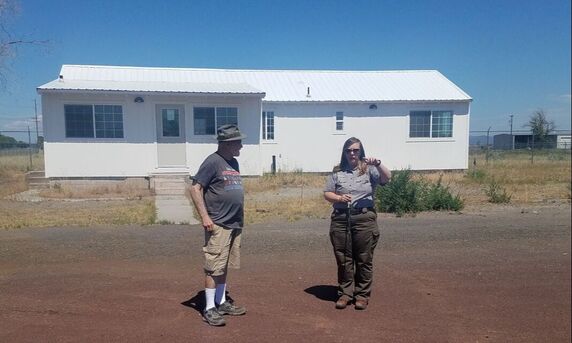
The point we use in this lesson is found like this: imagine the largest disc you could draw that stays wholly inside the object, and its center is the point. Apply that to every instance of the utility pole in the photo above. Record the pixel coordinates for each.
(36, 113)
(511, 136)
(30, 147)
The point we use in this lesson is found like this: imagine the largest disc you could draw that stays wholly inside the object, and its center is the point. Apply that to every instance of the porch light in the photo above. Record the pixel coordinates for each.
(138, 100)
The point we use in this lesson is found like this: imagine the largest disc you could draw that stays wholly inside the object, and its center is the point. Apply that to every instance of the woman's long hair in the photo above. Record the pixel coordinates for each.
(344, 164)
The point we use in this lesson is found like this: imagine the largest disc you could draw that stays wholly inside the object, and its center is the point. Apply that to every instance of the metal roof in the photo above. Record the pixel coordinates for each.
(278, 85)
(153, 87)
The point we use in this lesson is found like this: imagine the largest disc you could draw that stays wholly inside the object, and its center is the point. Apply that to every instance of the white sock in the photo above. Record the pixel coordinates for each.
(210, 297)
(220, 296)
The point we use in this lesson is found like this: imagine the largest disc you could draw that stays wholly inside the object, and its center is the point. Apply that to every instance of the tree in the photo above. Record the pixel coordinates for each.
(540, 126)
(9, 43)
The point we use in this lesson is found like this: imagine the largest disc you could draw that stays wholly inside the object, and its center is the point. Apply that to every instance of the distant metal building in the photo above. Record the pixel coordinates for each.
(507, 141)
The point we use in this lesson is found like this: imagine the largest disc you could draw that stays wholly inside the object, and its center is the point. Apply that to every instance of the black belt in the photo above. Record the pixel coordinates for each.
(354, 210)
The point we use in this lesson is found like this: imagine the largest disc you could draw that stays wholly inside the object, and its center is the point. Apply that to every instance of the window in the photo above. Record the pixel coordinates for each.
(108, 121)
(170, 121)
(442, 124)
(430, 124)
(419, 124)
(268, 125)
(88, 121)
(206, 122)
(339, 121)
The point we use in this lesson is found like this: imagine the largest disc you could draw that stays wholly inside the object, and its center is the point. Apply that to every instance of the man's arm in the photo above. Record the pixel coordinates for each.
(197, 195)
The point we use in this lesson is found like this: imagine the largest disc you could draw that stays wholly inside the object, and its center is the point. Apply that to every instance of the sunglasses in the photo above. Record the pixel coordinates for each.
(355, 151)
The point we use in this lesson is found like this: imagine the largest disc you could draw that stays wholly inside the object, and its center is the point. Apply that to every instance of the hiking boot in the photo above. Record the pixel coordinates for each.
(361, 304)
(343, 302)
(230, 309)
(213, 317)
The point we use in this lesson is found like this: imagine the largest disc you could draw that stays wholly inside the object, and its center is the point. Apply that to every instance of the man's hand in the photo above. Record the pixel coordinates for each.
(208, 223)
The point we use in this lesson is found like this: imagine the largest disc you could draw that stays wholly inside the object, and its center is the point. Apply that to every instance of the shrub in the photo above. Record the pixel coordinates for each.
(497, 193)
(403, 195)
(439, 197)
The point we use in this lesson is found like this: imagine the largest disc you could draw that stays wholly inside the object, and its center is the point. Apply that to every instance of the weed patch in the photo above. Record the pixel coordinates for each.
(496, 193)
(406, 194)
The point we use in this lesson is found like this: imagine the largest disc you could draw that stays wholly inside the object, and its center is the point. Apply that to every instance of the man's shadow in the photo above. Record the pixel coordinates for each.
(323, 292)
(197, 302)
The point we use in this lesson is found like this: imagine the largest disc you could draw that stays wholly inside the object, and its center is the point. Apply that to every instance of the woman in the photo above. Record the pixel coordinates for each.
(353, 230)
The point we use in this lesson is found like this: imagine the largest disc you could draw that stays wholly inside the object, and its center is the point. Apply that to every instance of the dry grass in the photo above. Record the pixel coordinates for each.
(296, 195)
(82, 213)
(284, 196)
(60, 213)
(546, 179)
(120, 190)
(269, 182)
(13, 169)
(286, 208)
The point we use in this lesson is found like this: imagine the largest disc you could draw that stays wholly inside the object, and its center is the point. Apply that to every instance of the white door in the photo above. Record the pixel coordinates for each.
(171, 150)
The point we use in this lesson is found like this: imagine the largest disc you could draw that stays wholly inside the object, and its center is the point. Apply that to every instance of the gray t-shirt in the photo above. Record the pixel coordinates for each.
(223, 192)
(360, 187)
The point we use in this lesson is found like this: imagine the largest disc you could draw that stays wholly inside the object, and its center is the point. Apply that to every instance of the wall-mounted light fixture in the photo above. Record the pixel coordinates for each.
(138, 100)
(373, 107)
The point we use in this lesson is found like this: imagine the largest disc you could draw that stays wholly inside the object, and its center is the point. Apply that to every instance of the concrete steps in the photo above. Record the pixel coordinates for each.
(169, 184)
(172, 204)
(37, 180)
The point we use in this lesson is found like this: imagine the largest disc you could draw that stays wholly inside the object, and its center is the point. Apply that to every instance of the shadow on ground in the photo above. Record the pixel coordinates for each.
(323, 292)
(197, 302)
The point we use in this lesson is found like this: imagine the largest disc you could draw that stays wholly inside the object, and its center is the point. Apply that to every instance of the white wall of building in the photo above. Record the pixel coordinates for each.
(306, 139)
(136, 153)
(305, 136)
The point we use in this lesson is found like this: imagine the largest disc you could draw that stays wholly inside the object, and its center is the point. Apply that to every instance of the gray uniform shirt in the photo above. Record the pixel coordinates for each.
(223, 192)
(360, 187)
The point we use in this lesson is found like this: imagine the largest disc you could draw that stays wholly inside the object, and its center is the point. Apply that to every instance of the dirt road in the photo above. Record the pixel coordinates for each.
(495, 275)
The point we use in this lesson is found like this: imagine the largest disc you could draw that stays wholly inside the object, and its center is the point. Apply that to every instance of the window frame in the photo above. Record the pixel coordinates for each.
(434, 127)
(94, 121)
(338, 121)
(268, 122)
(215, 118)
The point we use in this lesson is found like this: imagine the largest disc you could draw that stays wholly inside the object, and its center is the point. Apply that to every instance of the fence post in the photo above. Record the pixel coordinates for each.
(532, 151)
(30, 147)
(488, 147)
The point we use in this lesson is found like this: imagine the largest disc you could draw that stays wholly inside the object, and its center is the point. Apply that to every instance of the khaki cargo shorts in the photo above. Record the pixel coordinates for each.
(222, 250)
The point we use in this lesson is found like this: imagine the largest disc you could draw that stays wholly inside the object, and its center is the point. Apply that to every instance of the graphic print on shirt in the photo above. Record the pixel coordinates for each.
(231, 179)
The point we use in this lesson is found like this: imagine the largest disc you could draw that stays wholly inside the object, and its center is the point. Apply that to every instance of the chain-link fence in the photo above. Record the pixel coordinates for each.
(518, 140)
(21, 144)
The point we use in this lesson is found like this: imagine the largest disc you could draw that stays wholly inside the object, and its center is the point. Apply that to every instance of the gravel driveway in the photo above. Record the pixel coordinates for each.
(499, 274)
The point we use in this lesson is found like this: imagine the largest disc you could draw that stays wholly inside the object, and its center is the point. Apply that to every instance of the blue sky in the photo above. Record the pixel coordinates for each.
(512, 57)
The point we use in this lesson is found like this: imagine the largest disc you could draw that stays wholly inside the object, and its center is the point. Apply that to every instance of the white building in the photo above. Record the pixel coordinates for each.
(109, 121)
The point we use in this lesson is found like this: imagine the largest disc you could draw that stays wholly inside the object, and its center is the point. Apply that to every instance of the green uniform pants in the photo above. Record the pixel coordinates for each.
(353, 250)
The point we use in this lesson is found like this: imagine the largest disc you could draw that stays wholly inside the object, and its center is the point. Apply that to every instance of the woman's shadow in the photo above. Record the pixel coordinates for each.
(323, 292)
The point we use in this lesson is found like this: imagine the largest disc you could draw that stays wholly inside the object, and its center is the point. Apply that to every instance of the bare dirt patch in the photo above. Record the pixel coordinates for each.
(498, 274)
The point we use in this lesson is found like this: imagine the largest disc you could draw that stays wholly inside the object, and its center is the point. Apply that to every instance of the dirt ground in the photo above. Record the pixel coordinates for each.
(498, 274)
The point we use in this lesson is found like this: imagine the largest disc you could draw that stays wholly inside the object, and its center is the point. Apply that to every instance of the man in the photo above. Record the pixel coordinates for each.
(218, 196)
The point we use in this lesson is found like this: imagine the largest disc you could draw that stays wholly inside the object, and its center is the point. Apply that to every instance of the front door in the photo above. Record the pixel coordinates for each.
(171, 149)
